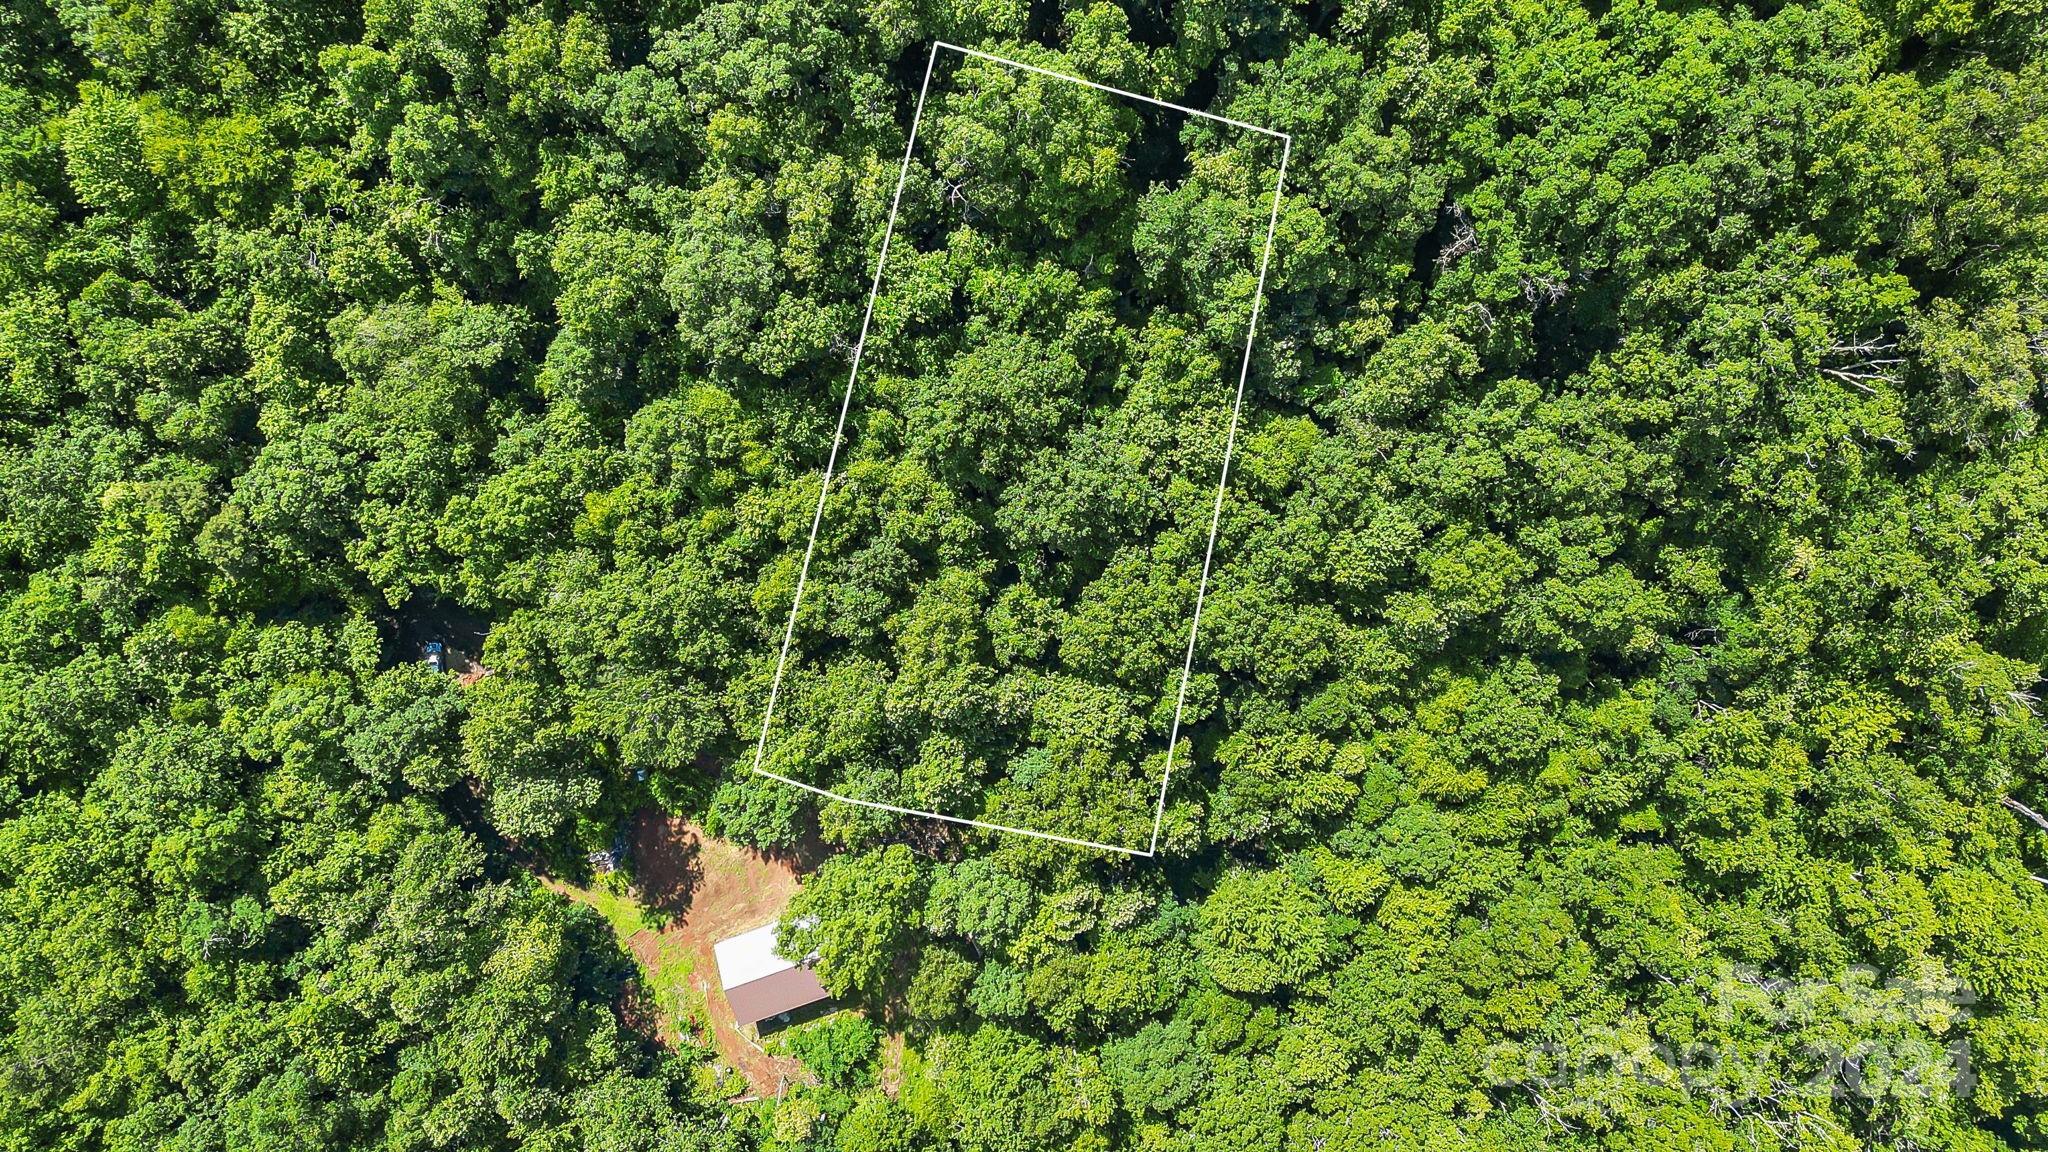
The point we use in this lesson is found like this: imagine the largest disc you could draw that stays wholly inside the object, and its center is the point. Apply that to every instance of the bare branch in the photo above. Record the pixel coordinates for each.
(2023, 810)
(1863, 360)
(1542, 289)
(1464, 238)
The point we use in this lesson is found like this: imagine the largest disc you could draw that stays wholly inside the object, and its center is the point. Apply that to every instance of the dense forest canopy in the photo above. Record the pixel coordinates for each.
(1616, 720)
(995, 627)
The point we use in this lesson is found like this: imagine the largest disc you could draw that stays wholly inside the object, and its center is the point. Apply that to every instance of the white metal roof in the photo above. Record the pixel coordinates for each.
(748, 957)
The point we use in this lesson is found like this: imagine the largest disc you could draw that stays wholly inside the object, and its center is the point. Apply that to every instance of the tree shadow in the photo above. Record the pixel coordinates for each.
(802, 857)
(427, 617)
(666, 863)
(639, 1013)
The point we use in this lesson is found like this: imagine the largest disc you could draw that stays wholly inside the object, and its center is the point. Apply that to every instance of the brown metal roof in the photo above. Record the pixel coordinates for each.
(784, 991)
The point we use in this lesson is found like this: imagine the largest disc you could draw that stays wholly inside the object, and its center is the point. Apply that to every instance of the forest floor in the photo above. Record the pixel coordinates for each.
(892, 1063)
(693, 890)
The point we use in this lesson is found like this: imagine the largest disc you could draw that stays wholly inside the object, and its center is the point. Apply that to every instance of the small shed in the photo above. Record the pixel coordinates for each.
(759, 983)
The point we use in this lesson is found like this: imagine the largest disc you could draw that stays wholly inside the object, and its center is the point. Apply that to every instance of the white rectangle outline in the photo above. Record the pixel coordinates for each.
(839, 436)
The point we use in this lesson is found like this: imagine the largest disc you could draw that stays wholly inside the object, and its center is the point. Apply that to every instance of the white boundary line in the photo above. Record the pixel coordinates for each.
(846, 405)
(936, 45)
(1187, 669)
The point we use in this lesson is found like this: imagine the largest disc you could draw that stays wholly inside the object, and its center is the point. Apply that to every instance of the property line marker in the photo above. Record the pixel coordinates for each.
(1187, 669)
(1153, 100)
(846, 405)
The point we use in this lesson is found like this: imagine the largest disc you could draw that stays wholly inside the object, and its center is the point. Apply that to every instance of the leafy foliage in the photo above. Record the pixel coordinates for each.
(1615, 724)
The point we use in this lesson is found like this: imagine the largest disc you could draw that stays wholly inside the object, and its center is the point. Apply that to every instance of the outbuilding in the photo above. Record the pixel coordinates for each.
(759, 982)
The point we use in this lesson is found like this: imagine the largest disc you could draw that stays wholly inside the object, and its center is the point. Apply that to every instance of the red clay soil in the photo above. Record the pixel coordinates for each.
(711, 889)
(708, 889)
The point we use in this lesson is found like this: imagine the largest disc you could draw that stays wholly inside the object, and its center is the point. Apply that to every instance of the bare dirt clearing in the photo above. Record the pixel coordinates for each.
(705, 889)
